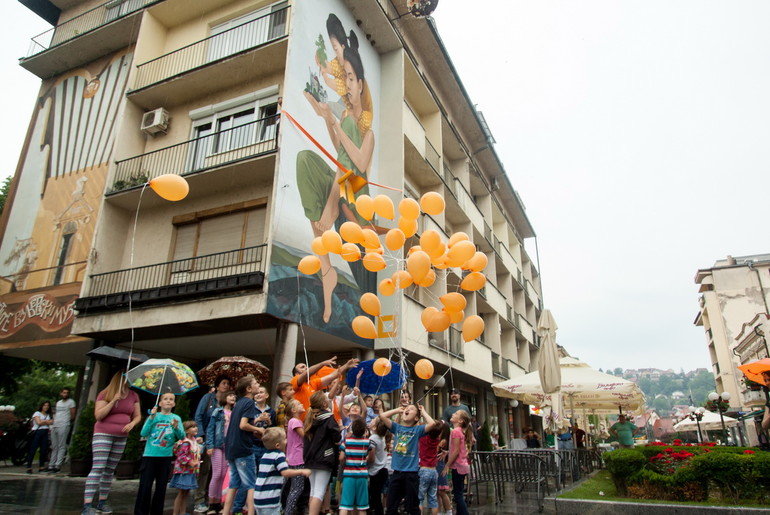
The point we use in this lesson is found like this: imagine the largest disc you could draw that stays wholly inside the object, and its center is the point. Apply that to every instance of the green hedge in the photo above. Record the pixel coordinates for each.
(623, 464)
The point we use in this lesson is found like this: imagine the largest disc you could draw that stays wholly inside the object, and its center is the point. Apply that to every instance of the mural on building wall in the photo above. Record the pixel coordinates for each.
(332, 91)
(59, 188)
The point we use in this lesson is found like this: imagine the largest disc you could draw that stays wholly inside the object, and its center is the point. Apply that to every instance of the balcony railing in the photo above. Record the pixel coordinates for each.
(453, 345)
(83, 24)
(495, 364)
(212, 274)
(242, 38)
(432, 157)
(212, 151)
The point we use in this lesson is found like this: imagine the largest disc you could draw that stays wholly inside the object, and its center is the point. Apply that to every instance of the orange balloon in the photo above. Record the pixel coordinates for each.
(364, 327)
(371, 241)
(407, 226)
(472, 327)
(309, 265)
(423, 369)
(473, 281)
(317, 246)
(170, 187)
(477, 263)
(352, 232)
(428, 280)
(456, 317)
(460, 252)
(402, 279)
(430, 241)
(395, 239)
(373, 262)
(453, 301)
(381, 367)
(409, 208)
(437, 252)
(432, 203)
(413, 249)
(365, 207)
(332, 241)
(458, 236)
(350, 252)
(434, 320)
(418, 265)
(383, 206)
(427, 315)
(439, 262)
(370, 304)
(387, 287)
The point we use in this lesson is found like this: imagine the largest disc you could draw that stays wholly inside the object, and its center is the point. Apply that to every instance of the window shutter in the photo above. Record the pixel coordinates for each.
(220, 234)
(255, 227)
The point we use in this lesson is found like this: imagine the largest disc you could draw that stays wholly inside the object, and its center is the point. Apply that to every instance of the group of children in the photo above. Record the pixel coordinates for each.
(340, 443)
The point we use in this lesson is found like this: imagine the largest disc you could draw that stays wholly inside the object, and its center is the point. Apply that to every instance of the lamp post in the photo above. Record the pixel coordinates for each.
(696, 414)
(722, 403)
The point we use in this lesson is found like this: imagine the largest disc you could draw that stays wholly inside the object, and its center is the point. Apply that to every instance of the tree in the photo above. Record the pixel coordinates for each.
(4, 191)
(618, 372)
(42, 382)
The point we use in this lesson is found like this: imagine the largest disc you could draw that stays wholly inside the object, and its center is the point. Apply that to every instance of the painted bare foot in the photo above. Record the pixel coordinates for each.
(329, 282)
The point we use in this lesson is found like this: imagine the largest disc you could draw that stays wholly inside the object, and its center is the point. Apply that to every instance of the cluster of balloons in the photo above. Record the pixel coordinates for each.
(422, 261)
(170, 187)
(423, 368)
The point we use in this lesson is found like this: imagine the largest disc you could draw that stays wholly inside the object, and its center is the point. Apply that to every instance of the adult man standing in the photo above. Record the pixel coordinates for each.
(206, 407)
(580, 436)
(624, 430)
(454, 405)
(62, 422)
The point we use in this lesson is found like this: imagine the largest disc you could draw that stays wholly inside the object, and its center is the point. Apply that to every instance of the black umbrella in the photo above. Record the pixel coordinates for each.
(111, 354)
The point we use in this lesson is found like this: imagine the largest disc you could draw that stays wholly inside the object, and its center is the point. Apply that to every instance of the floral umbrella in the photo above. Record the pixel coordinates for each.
(233, 367)
(162, 376)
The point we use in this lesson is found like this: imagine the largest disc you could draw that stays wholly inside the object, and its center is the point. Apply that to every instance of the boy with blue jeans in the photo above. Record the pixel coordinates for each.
(239, 444)
(404, 482)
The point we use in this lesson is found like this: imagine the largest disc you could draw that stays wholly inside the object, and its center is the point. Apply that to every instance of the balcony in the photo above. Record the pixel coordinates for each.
(215, 63)
(215, 150)
(100, 31)
(453, 346)
(183, 279)
(753, 397)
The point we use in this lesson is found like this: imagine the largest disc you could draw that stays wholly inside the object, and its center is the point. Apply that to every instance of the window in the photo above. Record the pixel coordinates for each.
(119, 8)
(247, 31)
(64, 249)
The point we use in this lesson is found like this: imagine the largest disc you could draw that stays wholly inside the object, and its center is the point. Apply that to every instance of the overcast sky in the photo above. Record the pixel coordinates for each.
(635, 132)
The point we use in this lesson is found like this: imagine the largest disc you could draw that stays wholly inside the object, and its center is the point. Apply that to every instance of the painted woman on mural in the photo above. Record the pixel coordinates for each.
(352, 136)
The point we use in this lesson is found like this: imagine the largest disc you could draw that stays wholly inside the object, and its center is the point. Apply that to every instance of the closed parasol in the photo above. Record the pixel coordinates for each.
(550, 371)
(233, 367)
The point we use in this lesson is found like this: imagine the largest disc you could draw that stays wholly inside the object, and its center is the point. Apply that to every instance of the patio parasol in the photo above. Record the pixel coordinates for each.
(233, 367)
(756, 370)
(372, 384)
(709, 422)
(159, 376)
(549, 370)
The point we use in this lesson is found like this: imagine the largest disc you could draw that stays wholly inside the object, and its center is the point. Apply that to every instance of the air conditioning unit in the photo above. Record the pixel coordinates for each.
(155, 121)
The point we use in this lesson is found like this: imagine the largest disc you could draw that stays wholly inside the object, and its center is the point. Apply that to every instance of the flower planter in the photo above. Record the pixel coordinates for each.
(127, 469)
(80, 467)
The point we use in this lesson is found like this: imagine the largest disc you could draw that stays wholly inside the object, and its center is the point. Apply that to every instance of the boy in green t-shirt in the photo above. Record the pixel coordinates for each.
(162, 430)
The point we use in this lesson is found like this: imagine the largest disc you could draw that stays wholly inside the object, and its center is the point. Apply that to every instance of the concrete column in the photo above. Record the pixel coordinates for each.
(502, 420)
(285, 355)
(481, 407)
(367, 354)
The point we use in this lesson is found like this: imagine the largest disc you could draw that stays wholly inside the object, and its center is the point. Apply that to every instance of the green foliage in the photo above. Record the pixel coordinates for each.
(485, 439)
(80, 446)
(321, 50)
(4, 192)
(623, 464)
(683, 485)
(182, 408)
(134, 447)
(731, 473)
(35, 382)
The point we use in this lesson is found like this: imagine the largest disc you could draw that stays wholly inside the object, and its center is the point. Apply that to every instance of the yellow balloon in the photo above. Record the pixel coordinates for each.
(453, 301)
(317, 246)
(364, 327)
(371, 241)
(373, 262)
(472, 327)
(418, 265)
(170, 187)
(309, 265)
(477, 263)
(383, 206)
(332, 241)
(402, 279)
(423, 369)
(407, 226)
(365, 207)
(370, 304)
(352, 232)
(409, 208)
(473, 281)
(432, 203)
(430, 241)
(456, 317)
(395, 239)
(460, 252)
(350, 252)
(428, 280)
(381, 367)
(387, 287)
(458, 236)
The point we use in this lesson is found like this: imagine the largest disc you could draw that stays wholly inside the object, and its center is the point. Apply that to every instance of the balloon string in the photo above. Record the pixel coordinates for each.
(131, 278)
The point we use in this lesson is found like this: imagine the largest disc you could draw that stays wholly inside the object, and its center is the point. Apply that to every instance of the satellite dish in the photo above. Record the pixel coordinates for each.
(419, 8)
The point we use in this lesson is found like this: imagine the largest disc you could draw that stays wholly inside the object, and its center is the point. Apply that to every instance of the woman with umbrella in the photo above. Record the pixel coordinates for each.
(117, 412)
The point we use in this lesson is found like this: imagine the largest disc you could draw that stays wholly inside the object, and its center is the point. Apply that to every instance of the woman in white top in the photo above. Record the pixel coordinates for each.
(41, 422)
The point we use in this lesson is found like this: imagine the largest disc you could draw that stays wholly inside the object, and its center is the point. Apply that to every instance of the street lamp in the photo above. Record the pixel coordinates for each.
(721, 401)
(696, 414)
(512, 405)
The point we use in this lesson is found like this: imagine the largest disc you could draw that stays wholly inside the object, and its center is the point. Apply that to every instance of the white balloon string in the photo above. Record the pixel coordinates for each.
(131, 278)
(302, 330)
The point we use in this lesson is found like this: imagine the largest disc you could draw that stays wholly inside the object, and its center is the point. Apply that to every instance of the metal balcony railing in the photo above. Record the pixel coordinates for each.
(456, 342)
(83, 24)
(241, 38)
(211, 266)
(451, 344)
(212, 151)
(432, 157)
(495, 363)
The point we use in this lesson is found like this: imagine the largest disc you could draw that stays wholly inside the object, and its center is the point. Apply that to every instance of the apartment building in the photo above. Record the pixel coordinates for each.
(242, 98)
(734, 313)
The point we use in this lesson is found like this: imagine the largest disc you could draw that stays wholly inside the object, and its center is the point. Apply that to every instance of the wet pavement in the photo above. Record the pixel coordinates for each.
(60, 494)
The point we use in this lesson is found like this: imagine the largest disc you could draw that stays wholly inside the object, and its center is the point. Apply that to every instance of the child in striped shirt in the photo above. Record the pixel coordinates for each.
(272, 469)
(355, 477)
